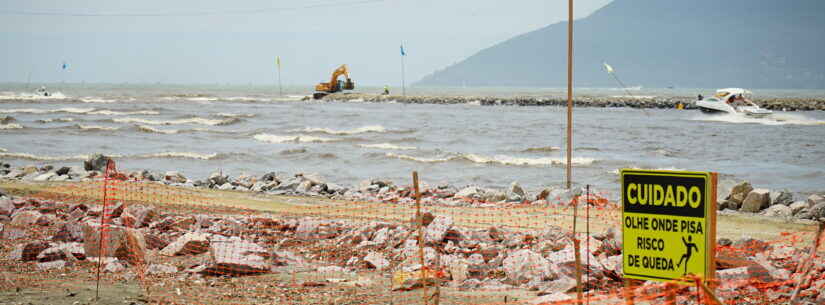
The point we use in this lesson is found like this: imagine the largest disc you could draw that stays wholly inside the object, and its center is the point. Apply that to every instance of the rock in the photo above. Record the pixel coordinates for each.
(96, 162)
(136, 216)
(189, 243)
(459, 271)
(798, 206)
(818, 211)
(491, 195)
(216, 179)
(6, 206)
(113, 266)
(437, 230)
(470, 192)
(740, 191)
(27, 252)
(524, 265)
(756, 200)
(174, 177)
(161, 269)
(124, 243)
(750, 246)
(154, 242)
(70, 231)
(565, 260)
(237, 257)
(45, 177)
(550, 298)
(733, 278)
(63, 171)
(25, 219)
(815, 199)
(779, 210)
(51, 265)
(376, 260)
(516, 193)
(303, 187)
(781, 197)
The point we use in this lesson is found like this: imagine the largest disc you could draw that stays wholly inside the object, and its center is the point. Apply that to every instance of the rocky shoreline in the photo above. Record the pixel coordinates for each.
(739, 198)
(779, 104)
(196, 249)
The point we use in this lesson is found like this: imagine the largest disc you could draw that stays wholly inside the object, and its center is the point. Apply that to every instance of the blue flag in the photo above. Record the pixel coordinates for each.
(402, 51)
(65, 66)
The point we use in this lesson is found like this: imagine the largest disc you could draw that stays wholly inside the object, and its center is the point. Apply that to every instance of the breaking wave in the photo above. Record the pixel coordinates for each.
(195, 120)
(31, 96)
(270, 138)
(235, 115)
(178, 155)
(160, 155)
(776, 119)
(365, 129)
(499, 159)
(32, 157)
(62, 120)
(95, 127)
(388, 146)
(542, 149)
(80, 111)
(10, 126)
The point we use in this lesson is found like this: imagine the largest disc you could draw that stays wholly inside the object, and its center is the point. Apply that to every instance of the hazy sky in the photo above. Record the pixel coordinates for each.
(210, 41)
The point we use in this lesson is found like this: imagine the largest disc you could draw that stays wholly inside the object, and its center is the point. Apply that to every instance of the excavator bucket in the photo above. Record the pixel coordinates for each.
(349, 84)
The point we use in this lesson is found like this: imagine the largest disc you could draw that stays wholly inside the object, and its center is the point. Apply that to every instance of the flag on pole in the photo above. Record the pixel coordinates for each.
(65, 66)
(608, 67)
(278, 61)
(402, 51)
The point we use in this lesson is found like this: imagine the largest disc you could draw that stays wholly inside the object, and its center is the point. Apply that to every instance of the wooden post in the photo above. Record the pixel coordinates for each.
(569, 92)
(710, 243)
(577, 249)
(628, 292)
(420, 223)
(670, 295)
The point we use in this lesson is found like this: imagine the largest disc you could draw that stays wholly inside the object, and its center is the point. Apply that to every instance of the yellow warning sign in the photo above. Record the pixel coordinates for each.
(667, 224)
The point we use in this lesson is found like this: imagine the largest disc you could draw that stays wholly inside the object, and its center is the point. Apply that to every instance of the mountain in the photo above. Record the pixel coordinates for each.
(662, 43)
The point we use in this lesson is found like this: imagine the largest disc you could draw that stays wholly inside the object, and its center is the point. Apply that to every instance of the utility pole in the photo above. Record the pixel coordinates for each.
(569, 92)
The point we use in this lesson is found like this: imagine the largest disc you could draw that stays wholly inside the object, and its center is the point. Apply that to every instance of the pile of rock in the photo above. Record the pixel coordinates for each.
(55, 235)
(743, 197)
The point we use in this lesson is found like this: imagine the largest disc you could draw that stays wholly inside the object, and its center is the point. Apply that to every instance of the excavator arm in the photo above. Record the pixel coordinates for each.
(332, 86)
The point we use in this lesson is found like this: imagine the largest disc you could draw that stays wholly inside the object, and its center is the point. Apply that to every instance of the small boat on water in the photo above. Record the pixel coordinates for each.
(732, 100)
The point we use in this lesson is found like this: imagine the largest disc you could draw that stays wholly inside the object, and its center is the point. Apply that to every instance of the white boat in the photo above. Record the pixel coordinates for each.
(732, 100)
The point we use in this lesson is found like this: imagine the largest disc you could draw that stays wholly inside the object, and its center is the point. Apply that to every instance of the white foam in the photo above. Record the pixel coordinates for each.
(388, 146)
(176, 154)
(145, 128)
(499, 159)
(177, 122)
(110, 112)
(42, 111)
(364, 129)
(96, 127)
(31, 96)
(3, 149)
(11, 126)
(96, 100)
(618, 170)
(56, 120)
(43, 158)
(235, 115)
(270, 138)
(775, 119)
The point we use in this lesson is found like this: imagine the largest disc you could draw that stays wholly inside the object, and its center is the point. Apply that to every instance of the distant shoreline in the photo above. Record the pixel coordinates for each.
(781, 104)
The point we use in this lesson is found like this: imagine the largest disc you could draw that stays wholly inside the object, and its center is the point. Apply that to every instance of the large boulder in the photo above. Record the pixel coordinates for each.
(524, 266)
(740, 191)
(781, 197)
(237, 257)
(779, 210)
(189, 243)
(376, 260)
(96, 162)
(815, 199)
(310, 228)
(798, 206)
(70, 231)
(113, 241)
(437, 229)
(27, 252)
(757, 200)
(136, 216)
(818, 211)
(6, 206)
(516, 193)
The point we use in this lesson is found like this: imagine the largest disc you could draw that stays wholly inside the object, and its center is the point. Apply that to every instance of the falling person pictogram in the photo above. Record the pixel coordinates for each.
(689, 244)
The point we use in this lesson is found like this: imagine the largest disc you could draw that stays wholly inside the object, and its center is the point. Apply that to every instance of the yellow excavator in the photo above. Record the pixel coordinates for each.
(334, 85)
